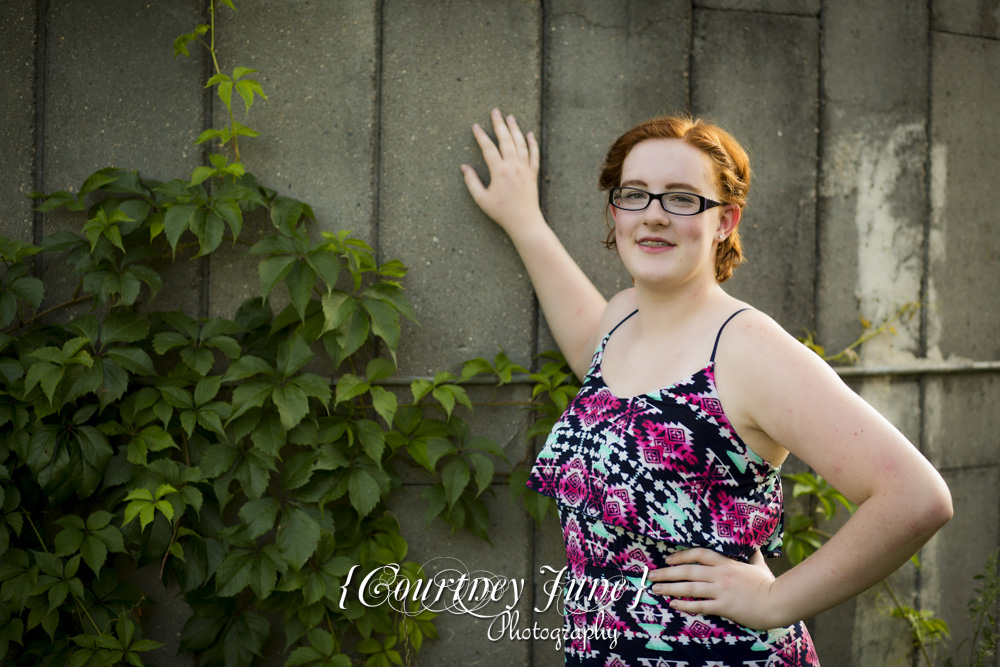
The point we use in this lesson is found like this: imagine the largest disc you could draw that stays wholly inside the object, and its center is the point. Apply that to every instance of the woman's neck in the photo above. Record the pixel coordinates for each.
(662, 311)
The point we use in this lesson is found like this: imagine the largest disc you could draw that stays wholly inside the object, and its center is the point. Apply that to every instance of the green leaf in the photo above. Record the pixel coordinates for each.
(292, 404)
(206, 389)
(94, 553)
(363, 491)
(384, 322)
(200, 174)
(176, 220)
(234, 572)
(372, 439)
(258, 516)
(286, 212)
(298, 469)
(385, 403)
(445, 395)
(68, 542)
(300, 282)
(337, 307)
(132, 359)
(225, 91)
(350, 386)
(209, 228)
(455, 477)
(273, 270)
(484, 471)
(486, 445)
(245, 367)
(298, 537)
(293, 354)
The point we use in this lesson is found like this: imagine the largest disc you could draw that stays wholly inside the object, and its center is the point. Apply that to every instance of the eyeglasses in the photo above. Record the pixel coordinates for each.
(678, 203)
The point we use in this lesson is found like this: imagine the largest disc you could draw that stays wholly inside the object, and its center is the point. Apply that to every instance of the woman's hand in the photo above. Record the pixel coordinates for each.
(512, 196)
(719, 585)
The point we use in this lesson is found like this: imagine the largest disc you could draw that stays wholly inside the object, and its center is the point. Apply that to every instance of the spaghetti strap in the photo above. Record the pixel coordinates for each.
(719, 335)
(621, 323)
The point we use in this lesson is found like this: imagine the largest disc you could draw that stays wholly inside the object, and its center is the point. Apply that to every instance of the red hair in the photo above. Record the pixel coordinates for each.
(730, 161)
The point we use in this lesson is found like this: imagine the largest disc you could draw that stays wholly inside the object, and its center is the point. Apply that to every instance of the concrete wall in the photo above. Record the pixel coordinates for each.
(872, 127)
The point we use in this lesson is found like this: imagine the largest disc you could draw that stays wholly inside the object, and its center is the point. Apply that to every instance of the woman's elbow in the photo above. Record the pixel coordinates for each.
(936, 509)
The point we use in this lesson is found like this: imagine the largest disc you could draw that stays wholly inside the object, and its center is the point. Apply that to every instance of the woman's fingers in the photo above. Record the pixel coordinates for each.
(533, 154)
(519, 142)
(696, 555)
(505, 139)
(472, 182)
(490, 152)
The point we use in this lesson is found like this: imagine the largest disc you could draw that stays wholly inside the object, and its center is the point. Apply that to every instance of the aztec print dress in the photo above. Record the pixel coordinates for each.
(638, 479)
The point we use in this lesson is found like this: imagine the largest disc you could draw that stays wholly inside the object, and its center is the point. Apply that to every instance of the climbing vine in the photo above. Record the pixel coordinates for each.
(247, 460)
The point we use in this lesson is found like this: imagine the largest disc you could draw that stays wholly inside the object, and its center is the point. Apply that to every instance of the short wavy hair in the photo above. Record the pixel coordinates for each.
(731, 166)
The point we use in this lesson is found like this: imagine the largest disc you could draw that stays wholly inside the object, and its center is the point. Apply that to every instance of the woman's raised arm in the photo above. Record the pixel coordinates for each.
(570, 302)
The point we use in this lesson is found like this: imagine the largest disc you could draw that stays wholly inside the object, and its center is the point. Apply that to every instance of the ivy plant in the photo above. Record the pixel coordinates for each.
(247, 460)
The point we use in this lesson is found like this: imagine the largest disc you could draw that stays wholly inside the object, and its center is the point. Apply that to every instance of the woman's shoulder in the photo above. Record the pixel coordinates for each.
(620, 306)
(754, 345)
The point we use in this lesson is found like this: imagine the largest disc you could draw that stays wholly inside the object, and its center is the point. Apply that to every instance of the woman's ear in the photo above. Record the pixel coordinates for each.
(730, 220)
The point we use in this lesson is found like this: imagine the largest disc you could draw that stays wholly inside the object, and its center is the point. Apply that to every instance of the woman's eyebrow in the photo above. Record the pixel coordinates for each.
(671, 187)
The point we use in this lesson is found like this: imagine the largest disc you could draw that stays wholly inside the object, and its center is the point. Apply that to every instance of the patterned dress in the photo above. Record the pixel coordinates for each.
(638, 479)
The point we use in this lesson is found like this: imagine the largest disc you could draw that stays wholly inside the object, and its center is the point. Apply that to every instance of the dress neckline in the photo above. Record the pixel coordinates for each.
(669, 389)
(597, 373)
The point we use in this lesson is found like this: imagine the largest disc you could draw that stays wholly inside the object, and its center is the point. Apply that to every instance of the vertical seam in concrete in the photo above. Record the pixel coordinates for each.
(924, 283)
(207, 108)
(817, 207)
(535, 316)
(690, 59)
(543, 167)
(38, 176)
(376, 152)
(926, 249)
(692, 62)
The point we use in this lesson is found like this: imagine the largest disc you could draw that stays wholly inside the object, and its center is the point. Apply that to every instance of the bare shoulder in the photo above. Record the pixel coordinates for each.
(778, 393)
(755, 344)
(619, 307)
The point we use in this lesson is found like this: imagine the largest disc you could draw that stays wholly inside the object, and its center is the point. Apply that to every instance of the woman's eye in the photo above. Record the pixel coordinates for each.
(633, 195)
(683, 200)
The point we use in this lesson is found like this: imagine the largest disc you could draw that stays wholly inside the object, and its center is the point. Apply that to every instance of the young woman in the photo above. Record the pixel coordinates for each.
(667, 460)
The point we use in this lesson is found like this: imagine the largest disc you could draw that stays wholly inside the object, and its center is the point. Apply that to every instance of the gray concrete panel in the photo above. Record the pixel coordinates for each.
(964, 246)
(464, 638)
(872, 193)
(608, 66)
(757, 74)
(17, 119)
(962, 420)
(967, 17)
(549, 552)
(317, 64)
(115, 96)
(833, 634)
(959, 551)
(444, 68)
(796, 7)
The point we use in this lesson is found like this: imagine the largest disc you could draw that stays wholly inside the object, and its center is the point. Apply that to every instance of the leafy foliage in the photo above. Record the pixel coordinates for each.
(982, 611)
(250, 459)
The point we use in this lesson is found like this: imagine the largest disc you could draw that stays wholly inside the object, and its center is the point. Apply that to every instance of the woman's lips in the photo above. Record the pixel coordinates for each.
(655, 243)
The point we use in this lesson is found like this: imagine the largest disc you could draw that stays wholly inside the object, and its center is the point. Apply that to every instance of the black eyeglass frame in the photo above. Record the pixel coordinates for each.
(706, 203)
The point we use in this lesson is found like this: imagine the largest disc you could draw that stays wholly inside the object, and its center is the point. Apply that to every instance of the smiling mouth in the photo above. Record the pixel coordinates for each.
(649, 243)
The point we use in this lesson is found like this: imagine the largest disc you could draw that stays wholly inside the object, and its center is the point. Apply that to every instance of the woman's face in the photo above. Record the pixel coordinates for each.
(660, 248)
